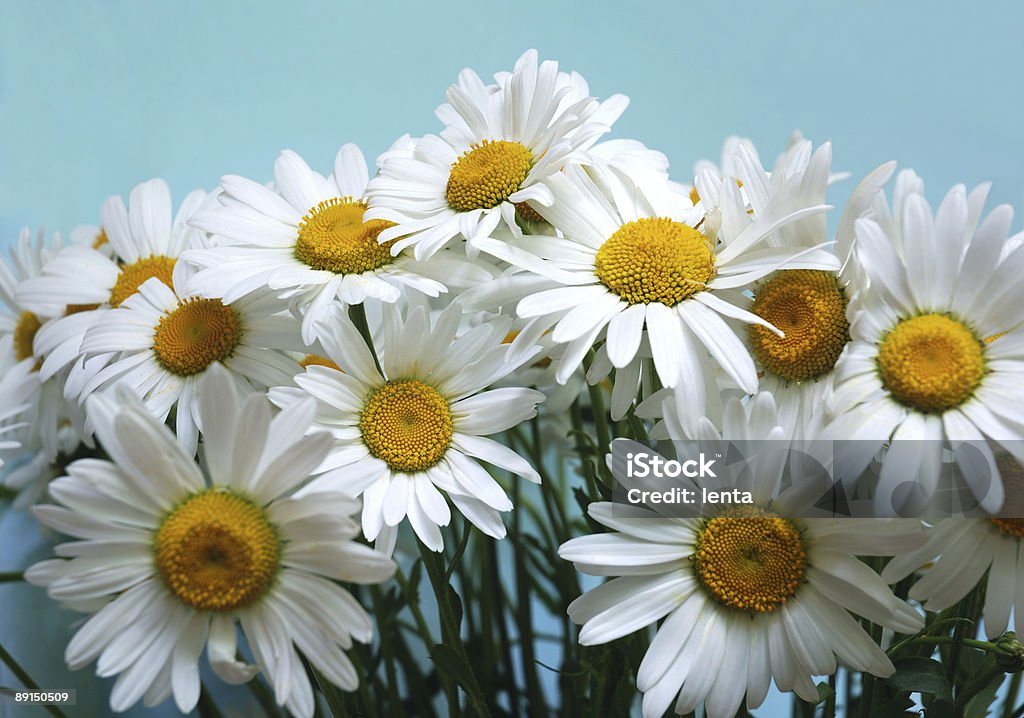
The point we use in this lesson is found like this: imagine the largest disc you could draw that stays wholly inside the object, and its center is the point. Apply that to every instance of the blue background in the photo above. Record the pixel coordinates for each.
(97, 96)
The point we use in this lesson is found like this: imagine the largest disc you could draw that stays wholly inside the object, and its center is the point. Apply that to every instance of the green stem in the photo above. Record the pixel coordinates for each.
(604, 437)
(975, 686)
(357, 313)
(953, 641)
(265, 697)
(524, 615)
(12, 576)
(576, 415)
(387, 650)
(450, 631)
(1011, 695)
(26, 680)
(206, 707)
(830, 702)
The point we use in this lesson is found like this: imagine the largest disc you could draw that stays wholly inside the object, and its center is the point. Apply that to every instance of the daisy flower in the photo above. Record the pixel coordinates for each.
(809, 306)
(749, 593)
(164, 342)
(170, 559)
(307, 240)
(20, 356)
(632, 260)
(418, 424)
(961, 551)
(937, 345)
(102, 269)
(498, 150)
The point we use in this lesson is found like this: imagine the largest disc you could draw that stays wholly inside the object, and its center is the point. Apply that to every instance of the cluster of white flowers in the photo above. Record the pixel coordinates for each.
(347, 346)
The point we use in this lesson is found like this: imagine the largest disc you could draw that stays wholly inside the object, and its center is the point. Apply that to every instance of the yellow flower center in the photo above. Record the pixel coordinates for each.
(931, 362)
(316, 360)
(655, 259)
(750, 559)
(407, 424)
(217, 551)
(487, 174)
(333, 237)
(24, 333)
(195, 335)
(528, 213)
(133, 275)
(694, 197)
(1013, 528)
(100, 239)
(810, 307)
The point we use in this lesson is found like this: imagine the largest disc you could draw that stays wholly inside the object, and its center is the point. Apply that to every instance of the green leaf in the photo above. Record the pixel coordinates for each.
(978, 706)
(825, 691)
(456, 667)
(940, 709)
(920, 675)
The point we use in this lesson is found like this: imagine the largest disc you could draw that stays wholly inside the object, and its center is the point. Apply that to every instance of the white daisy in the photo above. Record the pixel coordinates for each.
(749, 594)
(960, 552)
(498, 150)
(418, 425)
(632, 260)
(12, 410)
(937, 350)
(308, 241)
(102, 269)
(165, 342)
(20, 355)
(809, 306)
(170, 560)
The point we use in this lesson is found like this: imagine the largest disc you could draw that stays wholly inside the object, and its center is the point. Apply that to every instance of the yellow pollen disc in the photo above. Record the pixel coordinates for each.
(525, 211)
(931, 362)
(101, 239)
(407, 424)
(487, 174)
(315, 360)
(655, 259)
(333, 237)
(195, 335)
(133, 275)
(810, 307)
(217, 551)
(1009, 527)
(750, 559)
(76, 308)
(694, 197)
(24, 332)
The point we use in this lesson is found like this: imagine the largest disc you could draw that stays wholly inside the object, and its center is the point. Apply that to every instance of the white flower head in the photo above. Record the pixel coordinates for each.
(98, 272)
(500, 146)
(633, 262)
(49, 424)
(418, 425)
(165, 342)
(307, 240)
(937, 350)
(960, 553)
(171, 559)
(749, 594)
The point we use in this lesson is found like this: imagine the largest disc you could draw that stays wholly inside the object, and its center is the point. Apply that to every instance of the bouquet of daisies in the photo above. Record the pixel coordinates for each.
(354, 436)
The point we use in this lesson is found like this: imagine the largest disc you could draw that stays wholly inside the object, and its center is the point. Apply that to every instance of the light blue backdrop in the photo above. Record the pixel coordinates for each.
(97, 96)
